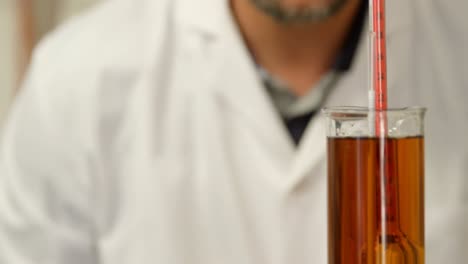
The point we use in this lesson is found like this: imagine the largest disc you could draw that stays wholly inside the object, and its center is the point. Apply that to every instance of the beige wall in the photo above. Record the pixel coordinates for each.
(45, 20)
(7, 77)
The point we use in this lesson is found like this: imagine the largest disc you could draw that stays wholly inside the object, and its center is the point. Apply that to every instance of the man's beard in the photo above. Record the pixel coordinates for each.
(298, 15)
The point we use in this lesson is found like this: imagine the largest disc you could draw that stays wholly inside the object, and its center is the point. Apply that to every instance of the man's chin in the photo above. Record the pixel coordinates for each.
(300, 14)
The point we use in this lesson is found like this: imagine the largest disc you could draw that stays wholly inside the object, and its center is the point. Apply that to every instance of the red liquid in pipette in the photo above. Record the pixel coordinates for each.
(379, 64)
(380, 55)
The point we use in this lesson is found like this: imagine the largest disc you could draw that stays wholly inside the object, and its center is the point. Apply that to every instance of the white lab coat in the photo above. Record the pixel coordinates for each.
(143, 135)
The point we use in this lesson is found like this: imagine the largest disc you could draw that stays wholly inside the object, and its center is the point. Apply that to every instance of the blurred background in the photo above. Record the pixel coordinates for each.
(22, 25)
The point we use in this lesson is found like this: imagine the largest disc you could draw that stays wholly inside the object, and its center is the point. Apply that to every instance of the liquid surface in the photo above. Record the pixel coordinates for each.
(376, 200)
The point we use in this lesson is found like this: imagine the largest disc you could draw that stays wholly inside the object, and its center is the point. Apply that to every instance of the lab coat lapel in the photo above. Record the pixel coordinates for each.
(232, 78)
(248, 98)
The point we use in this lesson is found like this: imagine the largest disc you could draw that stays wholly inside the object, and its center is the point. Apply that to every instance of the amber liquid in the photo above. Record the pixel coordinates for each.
(376, 200)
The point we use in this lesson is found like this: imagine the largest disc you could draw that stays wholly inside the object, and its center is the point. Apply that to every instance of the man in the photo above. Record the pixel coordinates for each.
(181, 131)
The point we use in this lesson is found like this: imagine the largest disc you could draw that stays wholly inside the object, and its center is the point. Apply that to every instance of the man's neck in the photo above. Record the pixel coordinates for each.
(299, 54)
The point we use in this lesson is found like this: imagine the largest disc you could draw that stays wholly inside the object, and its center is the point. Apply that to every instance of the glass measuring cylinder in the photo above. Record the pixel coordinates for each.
(375, 186)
